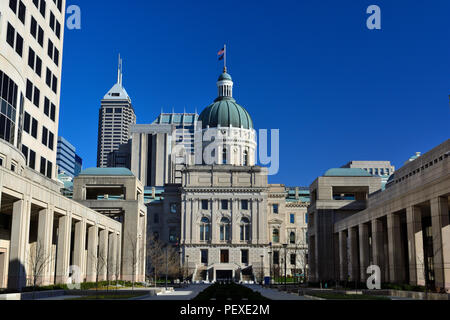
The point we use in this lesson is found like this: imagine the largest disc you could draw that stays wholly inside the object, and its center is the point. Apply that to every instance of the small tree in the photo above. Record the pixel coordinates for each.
(38, 261)
(156, 255)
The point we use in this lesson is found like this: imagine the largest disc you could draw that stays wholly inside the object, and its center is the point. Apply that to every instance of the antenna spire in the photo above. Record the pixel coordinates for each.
(120, 71)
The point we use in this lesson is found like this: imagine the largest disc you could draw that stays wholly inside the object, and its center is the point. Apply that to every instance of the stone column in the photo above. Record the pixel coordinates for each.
(79, 246)
(20, 232)
(112, 256)
(343, 258)
(92, 257)
(336, 256)
(364, 250)
(441, 241)
(353, 250)
(378, 253)
(415, 245)
(188, 218)
(235, 232)
(63, 249)
(103, 255)
(254, 221)
(44, 244)
(119, 244)
(214, 221)
(395, 248)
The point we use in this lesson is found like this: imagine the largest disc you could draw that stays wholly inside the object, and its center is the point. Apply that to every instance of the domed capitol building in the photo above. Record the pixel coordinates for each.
(222, 216)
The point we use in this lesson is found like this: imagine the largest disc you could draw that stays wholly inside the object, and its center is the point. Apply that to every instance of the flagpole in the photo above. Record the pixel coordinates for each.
(225, 57)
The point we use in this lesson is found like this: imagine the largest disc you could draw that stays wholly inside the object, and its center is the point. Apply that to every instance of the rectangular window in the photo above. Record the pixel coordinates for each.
(51, 139)
(49, 169)
(26, 122)
(13, 5)
(173, 208)
(33, 27)
(43, 165)
(10, 35)
(244, 204)
(19, 45)
(52, 112)
(244, 256)
(29, 92)
(204, 204)
(32, 160)
(40, 38)
(42, 8)
(224, 256)
(46, 107)
(275, 208)
(36, 97)
(224, 204)
(293, 258)
(292, 218)
(276, 257)
(22, 12)
(204, 256)
(34, 128)
(44, 136)
(306, 218)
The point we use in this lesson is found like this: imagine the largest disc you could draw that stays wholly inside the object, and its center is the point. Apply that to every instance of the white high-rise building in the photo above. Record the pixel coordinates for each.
(115, 118)
(31, 46)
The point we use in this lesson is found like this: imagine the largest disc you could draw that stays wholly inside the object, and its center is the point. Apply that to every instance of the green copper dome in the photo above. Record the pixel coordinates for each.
(225, 112)
(225, 76)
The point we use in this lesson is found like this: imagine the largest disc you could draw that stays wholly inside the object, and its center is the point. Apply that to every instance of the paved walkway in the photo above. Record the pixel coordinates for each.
(187, 293)
(274, 294)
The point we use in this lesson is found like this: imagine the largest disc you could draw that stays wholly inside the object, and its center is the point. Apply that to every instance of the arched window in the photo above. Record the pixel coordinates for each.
(275, 236)
(224, 155)
(292, 238)
(225, 229)
(245, 158)
(245, 229)
(204, 229)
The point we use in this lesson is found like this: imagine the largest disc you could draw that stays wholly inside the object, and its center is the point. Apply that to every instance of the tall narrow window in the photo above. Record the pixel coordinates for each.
(224, 155)
(225, 227)
(245, 229)
(292, 238)
(204, 229)
(245, 158)
(275, 236)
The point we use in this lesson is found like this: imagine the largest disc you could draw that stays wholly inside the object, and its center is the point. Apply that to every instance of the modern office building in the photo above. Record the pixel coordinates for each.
(116, 115)
(160, 150)
(31, 47)
(66, 158)
(383, 169)
(404, 229)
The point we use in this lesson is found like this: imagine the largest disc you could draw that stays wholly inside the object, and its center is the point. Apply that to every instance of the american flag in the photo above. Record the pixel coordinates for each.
(221, 54)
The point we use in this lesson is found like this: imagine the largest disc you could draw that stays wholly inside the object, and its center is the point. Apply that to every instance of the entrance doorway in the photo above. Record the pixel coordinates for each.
(224, 275)
(224, 256)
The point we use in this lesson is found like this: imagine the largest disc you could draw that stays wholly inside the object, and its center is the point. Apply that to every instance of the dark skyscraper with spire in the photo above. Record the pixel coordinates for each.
(115, 118)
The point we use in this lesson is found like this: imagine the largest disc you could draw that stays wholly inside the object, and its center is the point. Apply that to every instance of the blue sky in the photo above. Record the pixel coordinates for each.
(336, 90)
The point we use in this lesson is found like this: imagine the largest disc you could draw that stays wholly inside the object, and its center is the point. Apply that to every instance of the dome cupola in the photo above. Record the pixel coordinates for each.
(225, 112)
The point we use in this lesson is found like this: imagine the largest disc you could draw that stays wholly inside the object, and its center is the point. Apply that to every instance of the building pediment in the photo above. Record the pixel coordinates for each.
(275, 221)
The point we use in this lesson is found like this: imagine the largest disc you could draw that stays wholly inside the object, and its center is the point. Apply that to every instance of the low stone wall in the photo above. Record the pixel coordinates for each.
(41, 294)
(10, 296)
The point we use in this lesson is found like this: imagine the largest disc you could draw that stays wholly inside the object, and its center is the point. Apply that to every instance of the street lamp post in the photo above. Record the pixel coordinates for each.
(262, 269)
(181, 264)
(285, 264)
(187, 266)
(270, 267)
(167, 265)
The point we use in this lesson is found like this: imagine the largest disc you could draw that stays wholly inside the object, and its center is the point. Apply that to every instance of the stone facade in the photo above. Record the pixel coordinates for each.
(404, 229)
(39, 225)
(121, 197)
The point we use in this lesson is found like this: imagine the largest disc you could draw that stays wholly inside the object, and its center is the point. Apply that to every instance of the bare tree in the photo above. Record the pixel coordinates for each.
(38, 261)
(157, 264)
